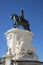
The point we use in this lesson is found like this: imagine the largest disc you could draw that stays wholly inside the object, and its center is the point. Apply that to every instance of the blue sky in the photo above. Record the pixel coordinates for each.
(33, 11)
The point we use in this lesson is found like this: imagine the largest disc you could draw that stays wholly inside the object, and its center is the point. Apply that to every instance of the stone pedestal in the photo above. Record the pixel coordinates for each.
(19, 44)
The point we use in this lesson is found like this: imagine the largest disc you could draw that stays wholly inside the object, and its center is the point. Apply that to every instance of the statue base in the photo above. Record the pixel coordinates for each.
(19, 45)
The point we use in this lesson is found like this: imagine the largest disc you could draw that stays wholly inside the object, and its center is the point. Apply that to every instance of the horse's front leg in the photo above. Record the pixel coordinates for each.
(14, 25)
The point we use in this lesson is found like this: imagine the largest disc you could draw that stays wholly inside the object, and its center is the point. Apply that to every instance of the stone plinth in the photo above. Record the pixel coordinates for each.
(19, 43)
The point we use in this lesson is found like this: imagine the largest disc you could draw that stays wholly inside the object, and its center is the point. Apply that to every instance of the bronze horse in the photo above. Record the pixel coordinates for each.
(20, 21)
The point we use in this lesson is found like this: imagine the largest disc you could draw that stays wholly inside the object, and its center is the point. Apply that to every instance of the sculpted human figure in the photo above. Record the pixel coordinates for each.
(18, 49)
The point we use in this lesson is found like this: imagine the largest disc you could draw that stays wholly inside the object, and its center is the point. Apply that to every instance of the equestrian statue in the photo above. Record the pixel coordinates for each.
(20, 20)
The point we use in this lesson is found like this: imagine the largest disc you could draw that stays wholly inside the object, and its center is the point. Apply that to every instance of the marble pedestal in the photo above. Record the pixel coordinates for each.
(19, 45)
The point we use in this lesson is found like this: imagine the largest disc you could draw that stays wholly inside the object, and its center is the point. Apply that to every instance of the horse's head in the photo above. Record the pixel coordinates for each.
(14, 17)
